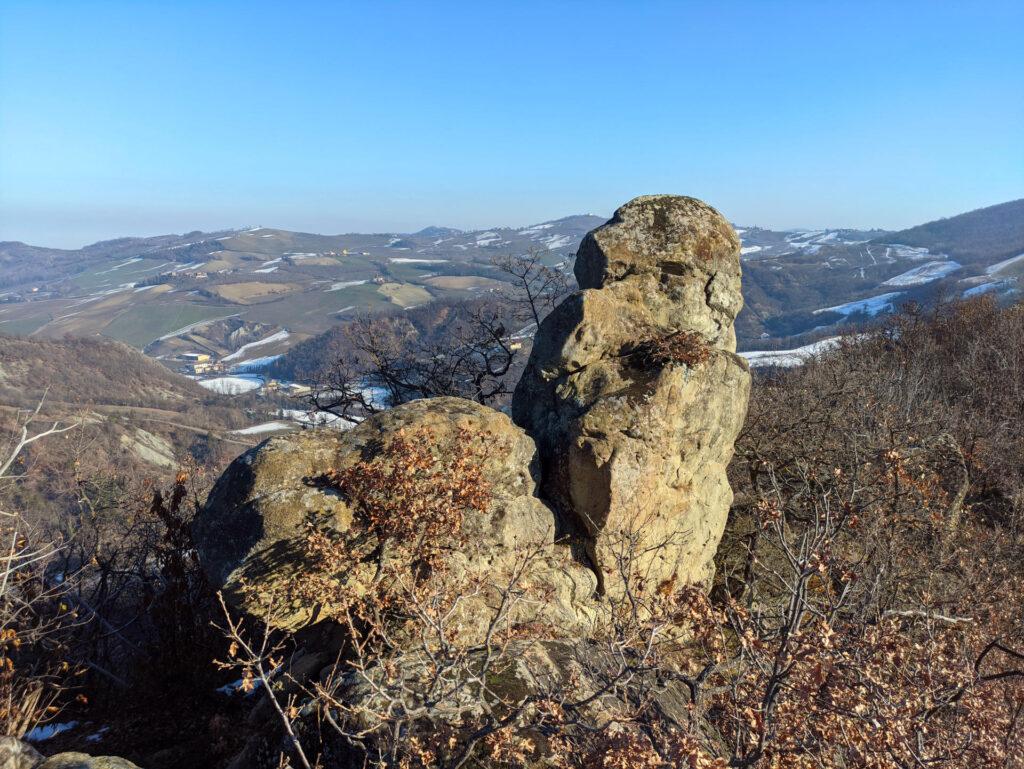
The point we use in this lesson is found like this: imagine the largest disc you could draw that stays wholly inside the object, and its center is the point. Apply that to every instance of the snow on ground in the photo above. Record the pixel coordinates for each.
(266, 427)
(486, 238)
(789, 358)
(347, 284)
(926, 273)
(999, 266)
(254, 364)
(750, 249)
(46, 731)
(315, 418)
(407, 260)
(232, 385)
(133, 260)
(909, 252)
(556, 241)
(871, 306)
(190, 326)
(143, 288)
(280, 336)
(984, 288)
(267, 269)
(533, 230)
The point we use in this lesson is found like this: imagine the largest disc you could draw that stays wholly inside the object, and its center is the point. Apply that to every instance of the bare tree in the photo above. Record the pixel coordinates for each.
(389, 361)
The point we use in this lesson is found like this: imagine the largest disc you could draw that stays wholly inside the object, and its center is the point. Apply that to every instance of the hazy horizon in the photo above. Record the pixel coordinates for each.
(124, 119)
(413, 230)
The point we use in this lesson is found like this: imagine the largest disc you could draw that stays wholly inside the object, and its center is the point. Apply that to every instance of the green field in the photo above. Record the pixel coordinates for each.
(23, 325)
(126, 273)
(139, 326)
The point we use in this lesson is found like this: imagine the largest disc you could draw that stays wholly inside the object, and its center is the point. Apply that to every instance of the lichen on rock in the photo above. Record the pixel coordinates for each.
(635, 430)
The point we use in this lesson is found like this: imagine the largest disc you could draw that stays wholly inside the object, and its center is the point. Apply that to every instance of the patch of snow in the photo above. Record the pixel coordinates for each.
(133, 260)
(143, 288)
(913, 253)
(993, 269)
(268, 269)
(254, 364)
(788, 358)
(926, 273)
(232, 385)
(407, 260)
(190, 326)
(48, 731)
(266, 427)
(280, 336)
(98, 734)
(872, 306)
(535, 228)
(555, 241)
(349, 283)
(985, 288)
(750, 249)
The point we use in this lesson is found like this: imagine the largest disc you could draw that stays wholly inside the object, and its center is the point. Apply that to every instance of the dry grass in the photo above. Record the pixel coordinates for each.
(247, 293)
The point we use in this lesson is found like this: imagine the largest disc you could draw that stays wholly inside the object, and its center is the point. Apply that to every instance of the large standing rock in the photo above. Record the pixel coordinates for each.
(635, 395)
(253, 527)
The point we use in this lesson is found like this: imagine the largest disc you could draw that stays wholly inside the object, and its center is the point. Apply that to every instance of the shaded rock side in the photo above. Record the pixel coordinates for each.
(635, 395)
(15, 754)
(253, 526)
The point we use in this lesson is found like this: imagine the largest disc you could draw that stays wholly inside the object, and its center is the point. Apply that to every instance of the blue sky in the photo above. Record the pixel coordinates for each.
(138, 118)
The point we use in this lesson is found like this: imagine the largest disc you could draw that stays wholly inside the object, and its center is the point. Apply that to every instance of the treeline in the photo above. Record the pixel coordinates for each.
(88, 370)
(985, 235)
(311, 359)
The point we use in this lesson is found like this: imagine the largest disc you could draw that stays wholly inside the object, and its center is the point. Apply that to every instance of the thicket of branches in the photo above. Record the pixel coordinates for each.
(473, 349)
(867, 613)
(868, 609)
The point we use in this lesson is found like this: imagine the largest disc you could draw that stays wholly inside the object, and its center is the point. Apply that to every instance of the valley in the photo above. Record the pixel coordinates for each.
(244, 297)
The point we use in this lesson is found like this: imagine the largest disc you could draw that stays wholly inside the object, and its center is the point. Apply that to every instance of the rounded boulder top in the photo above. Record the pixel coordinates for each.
(662, 235)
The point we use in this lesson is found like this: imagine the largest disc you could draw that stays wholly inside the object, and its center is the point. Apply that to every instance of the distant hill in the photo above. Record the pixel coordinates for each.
(800, 283)
(257, 292)
(135, 414)
(984, 235)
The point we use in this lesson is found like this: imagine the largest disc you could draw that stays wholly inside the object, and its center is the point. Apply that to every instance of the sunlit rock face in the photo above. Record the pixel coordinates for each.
(635, 395)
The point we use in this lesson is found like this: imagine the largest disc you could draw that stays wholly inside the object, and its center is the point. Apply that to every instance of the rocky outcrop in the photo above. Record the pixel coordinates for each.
(635, 395)
(253, 527)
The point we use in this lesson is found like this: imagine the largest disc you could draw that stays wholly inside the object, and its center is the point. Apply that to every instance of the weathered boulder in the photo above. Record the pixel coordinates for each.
(85, 761)
(253, 528)
(635, 395)
(15, 754)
